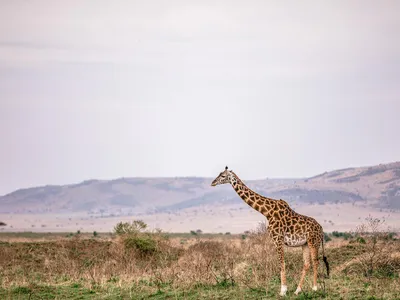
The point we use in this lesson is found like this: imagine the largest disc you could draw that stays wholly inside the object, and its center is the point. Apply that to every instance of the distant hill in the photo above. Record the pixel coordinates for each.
(377, 186)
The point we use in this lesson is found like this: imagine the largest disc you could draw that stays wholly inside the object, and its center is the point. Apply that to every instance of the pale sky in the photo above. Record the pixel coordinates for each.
(107, 89)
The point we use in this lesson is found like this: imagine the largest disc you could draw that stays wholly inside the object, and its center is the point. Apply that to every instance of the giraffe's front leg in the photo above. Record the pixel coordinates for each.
(279, 249)
(314, 258)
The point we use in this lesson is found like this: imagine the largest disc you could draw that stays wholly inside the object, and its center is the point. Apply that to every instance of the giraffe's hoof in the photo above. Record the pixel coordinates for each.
(298, 290)
(314, 288)
(283, 290)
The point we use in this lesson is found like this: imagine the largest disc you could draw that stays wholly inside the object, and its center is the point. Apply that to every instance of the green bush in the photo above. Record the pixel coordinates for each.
(144, 244)
(347, 235)
(135, 237)
(360, 240)
(391, 236)
(130, 228)
(327, 238)
(344, 235)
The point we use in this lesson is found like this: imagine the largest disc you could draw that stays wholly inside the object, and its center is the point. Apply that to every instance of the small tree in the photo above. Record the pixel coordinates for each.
(378, 247)
(126, 227)
(135, 236)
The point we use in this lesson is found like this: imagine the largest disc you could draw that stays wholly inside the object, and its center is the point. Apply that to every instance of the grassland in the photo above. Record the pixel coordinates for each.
(144, 265)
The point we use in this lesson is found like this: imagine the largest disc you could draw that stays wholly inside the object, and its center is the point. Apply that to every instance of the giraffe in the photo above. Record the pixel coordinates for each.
(285, 226)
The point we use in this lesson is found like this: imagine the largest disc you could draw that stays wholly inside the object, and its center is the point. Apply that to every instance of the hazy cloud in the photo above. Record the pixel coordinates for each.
(97, 89)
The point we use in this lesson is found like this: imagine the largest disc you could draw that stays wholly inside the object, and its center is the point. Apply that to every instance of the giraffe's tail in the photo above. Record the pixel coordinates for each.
(324, 258)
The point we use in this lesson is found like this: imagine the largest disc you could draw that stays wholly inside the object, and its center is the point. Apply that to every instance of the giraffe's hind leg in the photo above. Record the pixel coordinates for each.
(306, 267)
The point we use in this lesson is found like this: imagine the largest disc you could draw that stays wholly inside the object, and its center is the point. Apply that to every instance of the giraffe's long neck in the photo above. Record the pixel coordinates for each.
(264, 205)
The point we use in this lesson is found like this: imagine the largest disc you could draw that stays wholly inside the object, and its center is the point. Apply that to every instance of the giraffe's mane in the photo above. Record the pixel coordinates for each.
(237, 177)
(242, 183)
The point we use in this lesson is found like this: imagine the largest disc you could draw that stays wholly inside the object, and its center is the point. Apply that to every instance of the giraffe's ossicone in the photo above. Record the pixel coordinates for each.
(285, 226)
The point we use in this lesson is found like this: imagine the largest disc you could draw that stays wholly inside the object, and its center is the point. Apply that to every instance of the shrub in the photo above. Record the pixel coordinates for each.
(144, 244)
(211, 262)
(261, 262)
(130, 228)
(360, 240)
(376, 258)
(326, 237)
(135, 236)
(391, 236)
(345, 235)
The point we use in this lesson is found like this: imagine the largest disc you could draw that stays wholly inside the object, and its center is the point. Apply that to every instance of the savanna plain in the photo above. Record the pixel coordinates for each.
(134, 262)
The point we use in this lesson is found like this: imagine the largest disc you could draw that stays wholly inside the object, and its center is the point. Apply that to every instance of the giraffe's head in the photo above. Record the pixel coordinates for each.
(222, 178)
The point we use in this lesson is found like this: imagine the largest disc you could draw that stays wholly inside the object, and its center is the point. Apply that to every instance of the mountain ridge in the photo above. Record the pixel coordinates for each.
(378, 186)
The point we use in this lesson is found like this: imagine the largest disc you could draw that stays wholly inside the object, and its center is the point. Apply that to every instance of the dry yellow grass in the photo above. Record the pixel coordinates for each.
(209, 267)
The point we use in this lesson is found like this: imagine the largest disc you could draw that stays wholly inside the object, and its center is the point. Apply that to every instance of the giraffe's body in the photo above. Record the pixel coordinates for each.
(285, 226)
